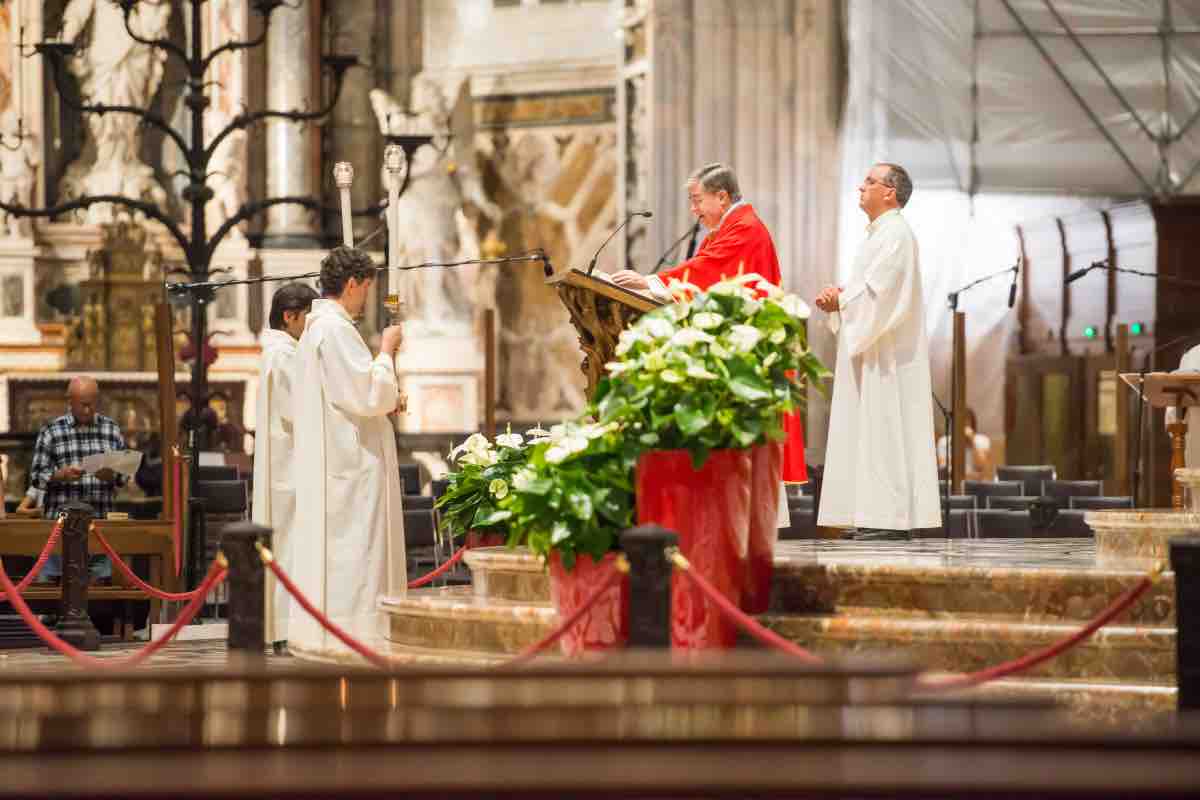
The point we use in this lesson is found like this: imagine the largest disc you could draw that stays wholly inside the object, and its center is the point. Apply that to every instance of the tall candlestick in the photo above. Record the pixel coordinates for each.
(343, 177)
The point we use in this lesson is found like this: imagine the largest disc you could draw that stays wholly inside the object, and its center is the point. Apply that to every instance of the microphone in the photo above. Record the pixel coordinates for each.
(646, 214)
(1079, 273)
(547, 267)
(692, 231)
(1012, 290)
(691, 251)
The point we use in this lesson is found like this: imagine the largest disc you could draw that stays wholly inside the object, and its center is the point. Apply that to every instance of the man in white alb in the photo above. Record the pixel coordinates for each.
(880, 468)
(274, 490)
(348, 537)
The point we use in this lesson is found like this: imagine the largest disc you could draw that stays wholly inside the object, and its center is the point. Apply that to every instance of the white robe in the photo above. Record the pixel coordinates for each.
(348, 537)
(1191, 453)
(880, 466)
(274, 491)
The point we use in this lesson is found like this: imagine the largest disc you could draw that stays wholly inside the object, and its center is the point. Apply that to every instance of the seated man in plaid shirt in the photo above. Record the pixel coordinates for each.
(60, 448)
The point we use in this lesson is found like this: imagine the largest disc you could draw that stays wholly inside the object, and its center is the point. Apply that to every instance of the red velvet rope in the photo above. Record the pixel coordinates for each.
(1124, 601)
(375, 658)
(129, 573)
(216, 574)
(450, 562)
(747, 623)
(55, 533)
(565, 625)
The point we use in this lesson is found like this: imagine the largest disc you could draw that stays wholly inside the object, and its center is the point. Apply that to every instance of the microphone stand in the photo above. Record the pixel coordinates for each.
(689, 232)
(1105, 266)
(952, 301)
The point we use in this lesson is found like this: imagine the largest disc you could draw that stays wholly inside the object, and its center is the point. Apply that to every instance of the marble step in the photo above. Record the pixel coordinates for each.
(938, 581)
(1115, 653)
(454, 618)
(1124, 706)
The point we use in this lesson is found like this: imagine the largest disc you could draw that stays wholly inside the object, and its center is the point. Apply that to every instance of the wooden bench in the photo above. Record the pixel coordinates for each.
(27, 537)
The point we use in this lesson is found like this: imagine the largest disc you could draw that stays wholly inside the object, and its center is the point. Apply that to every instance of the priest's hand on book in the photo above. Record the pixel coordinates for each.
(630, 280)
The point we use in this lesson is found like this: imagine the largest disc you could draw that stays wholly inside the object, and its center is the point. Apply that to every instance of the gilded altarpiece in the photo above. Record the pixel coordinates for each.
(115, 329)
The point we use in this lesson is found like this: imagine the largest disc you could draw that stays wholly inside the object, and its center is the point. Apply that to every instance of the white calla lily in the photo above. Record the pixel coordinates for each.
(744, 337)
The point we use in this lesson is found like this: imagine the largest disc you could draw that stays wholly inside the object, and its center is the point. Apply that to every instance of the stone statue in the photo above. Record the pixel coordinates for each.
(19, 161)
(439, 301)
(226, 181)
(113, 69)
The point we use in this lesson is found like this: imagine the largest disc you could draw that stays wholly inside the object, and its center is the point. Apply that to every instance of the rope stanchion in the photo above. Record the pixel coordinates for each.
(620, 567)
(215, 575)
(133, 578)
(970, 679)
(449, 564)
(55, 535)
(746, 623)
(375, 658)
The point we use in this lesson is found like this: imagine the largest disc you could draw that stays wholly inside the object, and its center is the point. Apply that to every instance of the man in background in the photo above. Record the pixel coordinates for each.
(56, 472)
(274, 489)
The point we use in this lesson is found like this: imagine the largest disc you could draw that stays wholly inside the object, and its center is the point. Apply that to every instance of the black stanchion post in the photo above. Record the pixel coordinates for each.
(649, 585)
(196, 560)
(75, 626)
(1185, 562)
(247, 582)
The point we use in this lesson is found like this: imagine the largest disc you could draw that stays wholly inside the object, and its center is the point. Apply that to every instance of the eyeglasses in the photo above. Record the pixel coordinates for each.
(872, 182)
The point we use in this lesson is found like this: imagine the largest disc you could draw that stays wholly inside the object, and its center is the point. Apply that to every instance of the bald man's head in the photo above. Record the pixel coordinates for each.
(82, 394)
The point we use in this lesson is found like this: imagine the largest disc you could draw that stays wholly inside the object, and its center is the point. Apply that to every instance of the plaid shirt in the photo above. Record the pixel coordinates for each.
(63, 443)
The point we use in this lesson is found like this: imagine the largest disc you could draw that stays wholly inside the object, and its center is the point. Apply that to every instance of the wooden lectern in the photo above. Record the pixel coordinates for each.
(599, 310)
(1176, 390)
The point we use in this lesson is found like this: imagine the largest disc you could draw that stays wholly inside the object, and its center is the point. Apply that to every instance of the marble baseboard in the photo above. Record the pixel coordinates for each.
(1139, 537)
(511, 575)
(1121, 654)
(1116, 706)
(454, 619)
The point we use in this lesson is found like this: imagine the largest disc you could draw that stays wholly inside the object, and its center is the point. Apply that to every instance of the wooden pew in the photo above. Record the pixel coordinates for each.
(27, 537)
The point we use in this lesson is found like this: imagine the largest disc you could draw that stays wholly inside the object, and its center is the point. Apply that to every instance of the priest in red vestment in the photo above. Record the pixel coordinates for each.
(737, 242)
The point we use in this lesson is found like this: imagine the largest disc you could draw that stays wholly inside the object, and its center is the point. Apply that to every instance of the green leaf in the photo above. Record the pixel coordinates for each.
(746, 384)
(694, 413)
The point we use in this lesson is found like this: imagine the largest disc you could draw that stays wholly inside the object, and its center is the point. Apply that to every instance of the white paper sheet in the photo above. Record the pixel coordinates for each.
(124, 462)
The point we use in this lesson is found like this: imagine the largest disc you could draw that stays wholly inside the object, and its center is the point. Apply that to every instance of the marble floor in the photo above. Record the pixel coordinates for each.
(1075, 554)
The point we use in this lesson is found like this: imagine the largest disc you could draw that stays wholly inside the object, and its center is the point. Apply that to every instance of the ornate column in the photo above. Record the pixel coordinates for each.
(291, 53)
(352, 25)
(757, 86)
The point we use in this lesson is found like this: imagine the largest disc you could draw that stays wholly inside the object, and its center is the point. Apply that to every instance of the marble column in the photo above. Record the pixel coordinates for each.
(757, 86)
(291, 49)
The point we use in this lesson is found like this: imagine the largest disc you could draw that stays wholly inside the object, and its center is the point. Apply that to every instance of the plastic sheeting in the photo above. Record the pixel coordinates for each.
(1036, 153)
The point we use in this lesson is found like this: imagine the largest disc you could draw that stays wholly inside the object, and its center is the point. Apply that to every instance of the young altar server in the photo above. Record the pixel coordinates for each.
(880, 466)
(274, 490)
(738, 241)
(348, 537)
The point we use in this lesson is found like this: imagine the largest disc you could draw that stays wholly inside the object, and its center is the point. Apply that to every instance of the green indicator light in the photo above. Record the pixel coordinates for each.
(1089, 332)
(1136, 329)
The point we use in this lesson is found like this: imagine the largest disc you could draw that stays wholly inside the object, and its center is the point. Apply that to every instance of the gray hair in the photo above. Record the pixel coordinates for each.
(897, 178)
(717, 177)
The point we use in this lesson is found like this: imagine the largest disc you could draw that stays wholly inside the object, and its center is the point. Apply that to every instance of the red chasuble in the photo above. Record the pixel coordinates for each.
(743, 243)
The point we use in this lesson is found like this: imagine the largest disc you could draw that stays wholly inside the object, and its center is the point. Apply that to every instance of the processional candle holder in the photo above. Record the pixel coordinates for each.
(395, 161)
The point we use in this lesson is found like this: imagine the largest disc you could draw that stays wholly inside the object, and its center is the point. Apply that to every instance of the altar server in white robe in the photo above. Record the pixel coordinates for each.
(348, 537)
(880, 466)
(1191, 454)
(274, 491)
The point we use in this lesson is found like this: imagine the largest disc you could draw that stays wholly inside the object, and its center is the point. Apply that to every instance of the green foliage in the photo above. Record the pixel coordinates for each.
(575, 493)
(711, 372)
(482, 480)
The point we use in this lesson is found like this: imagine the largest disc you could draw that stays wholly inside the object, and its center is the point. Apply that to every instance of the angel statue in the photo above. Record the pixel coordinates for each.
(439, 188)
(114, 69)
(18, 168)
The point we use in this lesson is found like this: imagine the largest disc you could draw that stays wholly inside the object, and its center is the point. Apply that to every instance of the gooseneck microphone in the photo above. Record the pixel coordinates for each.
(692, 231)
(1012, 290)
(592, 264)
(1079, 273)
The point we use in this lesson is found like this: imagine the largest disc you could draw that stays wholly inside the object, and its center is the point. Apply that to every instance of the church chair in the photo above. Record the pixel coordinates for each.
(418, 502)
(1100, 502)
(1068, 524)
(964, 502)
(1018, 503)
(1064, 490)
(982, 490)
(1003, 524)
(216, 473)
(1030, 475)
(802, 503)
(410, 478)
(223, 497)
(438, 488)
(958, 526)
